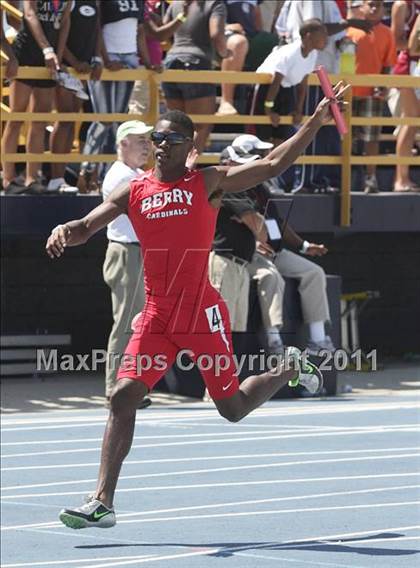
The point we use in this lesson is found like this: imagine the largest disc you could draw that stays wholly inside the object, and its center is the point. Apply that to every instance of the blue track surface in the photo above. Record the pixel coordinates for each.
(328, 483)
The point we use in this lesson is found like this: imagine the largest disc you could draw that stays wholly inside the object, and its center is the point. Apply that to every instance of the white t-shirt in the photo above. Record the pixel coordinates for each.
(120, 229)
(294, 13)
(289, 61)
(121, 36)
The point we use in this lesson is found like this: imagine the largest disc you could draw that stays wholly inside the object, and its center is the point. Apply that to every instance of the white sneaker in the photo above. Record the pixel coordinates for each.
(309, 375)
(91, 514)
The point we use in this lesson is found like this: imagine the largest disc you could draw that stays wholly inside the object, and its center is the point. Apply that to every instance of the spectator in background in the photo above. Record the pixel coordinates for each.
(403, 18)
(122, 268)
(82, 52)
(319, 178)
(269, 14)
(11, 66)
(155, 34)
(123, 41)
(276, 259)
(289, 66)
(192, 50)
(354, 9)
(240, 232)
(375, 53)
(233, 248)
(243, 22)
(40, 42)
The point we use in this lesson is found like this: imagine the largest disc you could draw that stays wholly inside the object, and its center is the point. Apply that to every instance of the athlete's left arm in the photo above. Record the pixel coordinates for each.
(240, 178)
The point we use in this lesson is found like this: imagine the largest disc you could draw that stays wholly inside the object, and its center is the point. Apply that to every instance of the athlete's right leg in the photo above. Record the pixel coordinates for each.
(98, 510)
(135, 378)
(118, 436)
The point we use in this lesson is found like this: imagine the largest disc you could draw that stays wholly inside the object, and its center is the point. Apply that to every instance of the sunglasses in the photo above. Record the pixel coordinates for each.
(169, 137)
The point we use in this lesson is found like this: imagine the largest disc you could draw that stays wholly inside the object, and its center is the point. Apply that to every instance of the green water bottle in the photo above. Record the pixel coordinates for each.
(347, 56)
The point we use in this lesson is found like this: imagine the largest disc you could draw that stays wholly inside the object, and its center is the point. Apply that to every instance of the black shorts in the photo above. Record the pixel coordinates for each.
(185, 91)
(32, 58)
(284, 104)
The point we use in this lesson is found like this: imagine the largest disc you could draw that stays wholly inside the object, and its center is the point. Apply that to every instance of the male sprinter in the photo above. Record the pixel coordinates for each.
(173, 211)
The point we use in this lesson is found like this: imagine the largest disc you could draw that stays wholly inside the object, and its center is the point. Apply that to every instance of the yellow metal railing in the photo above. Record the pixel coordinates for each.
(11, 10)
(346, 160)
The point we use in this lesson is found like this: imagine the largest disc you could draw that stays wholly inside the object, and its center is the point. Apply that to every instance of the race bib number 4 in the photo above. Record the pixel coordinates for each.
(214, 317)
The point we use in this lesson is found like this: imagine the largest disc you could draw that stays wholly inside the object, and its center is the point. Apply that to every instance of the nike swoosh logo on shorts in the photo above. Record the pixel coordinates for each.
(227, 386)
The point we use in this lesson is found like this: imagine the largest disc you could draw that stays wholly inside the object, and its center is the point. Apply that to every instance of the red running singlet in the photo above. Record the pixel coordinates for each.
(175, 225)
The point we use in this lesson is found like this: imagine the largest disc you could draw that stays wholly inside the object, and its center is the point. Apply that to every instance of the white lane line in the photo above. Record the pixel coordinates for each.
(306, 408)
(300, 561)
(274, 512)
(57, 426)
(132, 560)
(230, 484)
(273, 429)
(230, 504)
(272, 500)
(141, 560)
(301, 542)
(323, 544)
(217, 458)
(224, 441)
(60, 562)
(233, 468)
(388, 539)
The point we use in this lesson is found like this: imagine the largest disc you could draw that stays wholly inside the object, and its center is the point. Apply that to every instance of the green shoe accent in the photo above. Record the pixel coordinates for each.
(72, 522)
(294, 382)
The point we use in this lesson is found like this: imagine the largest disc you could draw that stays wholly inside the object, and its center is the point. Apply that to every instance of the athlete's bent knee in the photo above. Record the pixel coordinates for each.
(122, 399)
(231, 414)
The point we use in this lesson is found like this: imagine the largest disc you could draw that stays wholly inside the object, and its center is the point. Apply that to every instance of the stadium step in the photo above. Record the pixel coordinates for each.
(18, 353)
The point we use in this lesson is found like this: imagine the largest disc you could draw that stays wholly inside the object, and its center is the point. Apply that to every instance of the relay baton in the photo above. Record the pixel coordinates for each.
(329, 93)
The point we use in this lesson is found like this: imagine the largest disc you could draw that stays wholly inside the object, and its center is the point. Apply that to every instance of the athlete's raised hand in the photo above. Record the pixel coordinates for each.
(323, 110)
(58, 241)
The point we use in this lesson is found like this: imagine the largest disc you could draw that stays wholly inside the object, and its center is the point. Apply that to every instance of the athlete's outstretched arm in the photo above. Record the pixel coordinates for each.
(77, 232)
(240, 178)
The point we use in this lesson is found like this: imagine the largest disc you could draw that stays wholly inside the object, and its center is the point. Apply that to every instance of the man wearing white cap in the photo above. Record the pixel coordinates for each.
(122, 266)
(239, 231)
(270, 266)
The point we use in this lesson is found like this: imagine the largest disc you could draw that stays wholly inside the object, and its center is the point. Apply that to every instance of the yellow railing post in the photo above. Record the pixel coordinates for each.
(154, 110)
(345, 202)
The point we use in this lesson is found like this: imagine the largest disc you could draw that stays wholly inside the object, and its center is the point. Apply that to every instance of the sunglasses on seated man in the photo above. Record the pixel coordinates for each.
(169, 137)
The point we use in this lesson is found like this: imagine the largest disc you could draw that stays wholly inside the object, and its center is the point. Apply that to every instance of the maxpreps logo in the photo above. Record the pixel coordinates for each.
(162, 199)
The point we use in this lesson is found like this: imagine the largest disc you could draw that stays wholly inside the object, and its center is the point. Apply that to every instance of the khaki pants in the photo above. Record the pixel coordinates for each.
(270, 287)
(312, 284)
(122, 272)
(231, 280)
